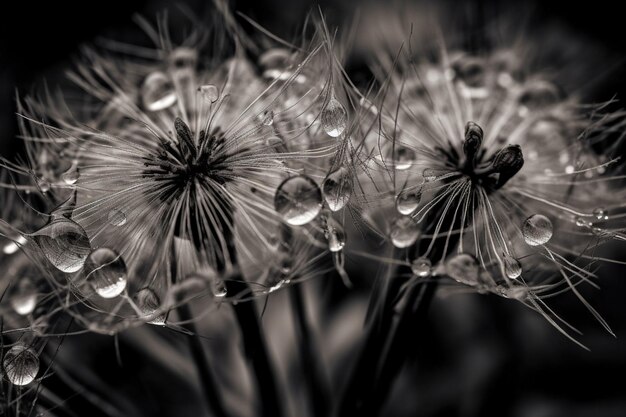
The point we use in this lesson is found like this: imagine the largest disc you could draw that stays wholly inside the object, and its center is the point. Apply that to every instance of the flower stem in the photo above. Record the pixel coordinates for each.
(310, 359)
(255, 347)
(208, 383)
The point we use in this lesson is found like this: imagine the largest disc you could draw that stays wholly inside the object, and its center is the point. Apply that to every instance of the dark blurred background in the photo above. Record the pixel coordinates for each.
(495, 357)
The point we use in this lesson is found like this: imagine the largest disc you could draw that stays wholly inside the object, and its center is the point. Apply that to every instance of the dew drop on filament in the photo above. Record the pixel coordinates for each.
(71, 175)
(149, 303)
(512, 267)
(21, 364)
(337, 188)
(464, 268)
(404, 232)
(157, 92)
(421, 267)
(24, 297)
(334, 118)
(537, 230)
(298, 200)
(64, 244)
(600, 214)
(335, 235)
(408, 200)
(106, 272)
(401, 156)
(209, 93)
(117, 217)
(14, 245)
(267, 118)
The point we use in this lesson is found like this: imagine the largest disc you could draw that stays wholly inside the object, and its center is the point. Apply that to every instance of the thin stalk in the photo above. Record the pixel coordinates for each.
(208, 383)
(255, 347)
(310, 359)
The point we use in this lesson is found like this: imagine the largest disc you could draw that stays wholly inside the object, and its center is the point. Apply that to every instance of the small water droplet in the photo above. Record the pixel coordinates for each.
(105, 272)
(183, 58)
(537, 230)
(404, 232)
(209, 93)
(64, 243)
(334, 118)
(421, 267)
(402, 157)
(335, 235)
(267, 118)
(14, 245)
(408, 200)
(581, 222)
(43, 185)
(157, 92)
(117, 217)
(218, 288)
(71, 175)
(23, 297)
(298, 200)
(337, 188)
(21, 365)
(600, 214)
(538, 95)
(464, 268)
(149, 303)
(512, 267)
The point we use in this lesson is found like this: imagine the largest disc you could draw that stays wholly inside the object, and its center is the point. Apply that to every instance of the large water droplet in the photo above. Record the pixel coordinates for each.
(21, 365)
(464, 268)
(157, 92)
(71, 175)
(537, 230)
(512, 267)
(421, 267)
(337, 188)
(298, 200)
(64, 243)
(408, 200)
(149, 303)
(404, 232)
(334, 118)
(14, 245)
(401, 156)
(23, 297)
(335, 235)
(117, 217)
(105, 272)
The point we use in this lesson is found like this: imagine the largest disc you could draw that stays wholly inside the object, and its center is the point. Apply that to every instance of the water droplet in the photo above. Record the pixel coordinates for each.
(337, 188)
(335, 235)
(14, 245)
(538, 95)
(183, 58)
(537, 230)
(334, 118)
(298, 200)
(581, 222)
(117, 217)
(600, 214)
(218, 287)
(64, 243)
(464, 268)
(402, 157)
(71, 175)
(421, 267)
(21, 365)
(516, 292)
(149, 303)
(105, 272)
(512, 267)
(267, 118)
(404, 232)
(210, 93)
(157, 92)
(43, 185)
(408, 200)
(24, 297)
